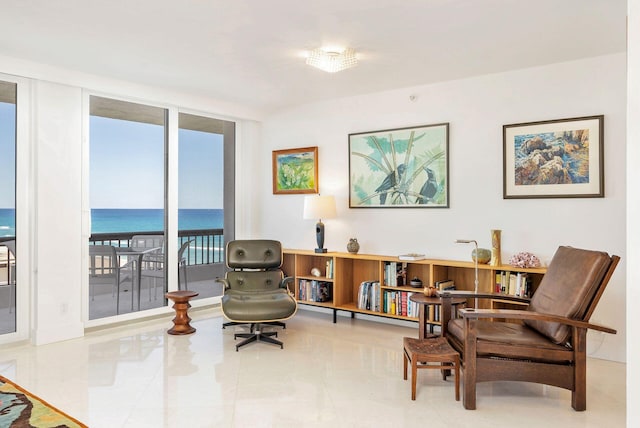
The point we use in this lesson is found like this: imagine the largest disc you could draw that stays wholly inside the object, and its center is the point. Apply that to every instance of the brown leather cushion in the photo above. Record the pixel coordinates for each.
(567, 289)
(518, 341)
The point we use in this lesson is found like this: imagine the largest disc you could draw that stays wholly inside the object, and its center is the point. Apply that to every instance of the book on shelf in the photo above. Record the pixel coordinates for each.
(399, 303)
(445, 284)
(314, 290)
(329, 269)
(523, 285)
(395, 274)
(504, 281)
(412, 256)
(514, 283)
(369, 296)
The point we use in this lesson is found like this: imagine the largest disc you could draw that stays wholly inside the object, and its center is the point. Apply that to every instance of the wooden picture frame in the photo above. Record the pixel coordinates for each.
(561, 158)
(400, 168)
(295, 171)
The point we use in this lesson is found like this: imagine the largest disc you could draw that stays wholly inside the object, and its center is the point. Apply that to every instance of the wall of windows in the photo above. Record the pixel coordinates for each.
(8, 278)
(134, 255)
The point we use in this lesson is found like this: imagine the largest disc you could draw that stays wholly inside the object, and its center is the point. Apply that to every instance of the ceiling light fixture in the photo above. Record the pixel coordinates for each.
(332, 60)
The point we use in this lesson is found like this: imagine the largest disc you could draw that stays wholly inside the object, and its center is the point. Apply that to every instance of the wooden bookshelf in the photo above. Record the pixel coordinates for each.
(348, 271)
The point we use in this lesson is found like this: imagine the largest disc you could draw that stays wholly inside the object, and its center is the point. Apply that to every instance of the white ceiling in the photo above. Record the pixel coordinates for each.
(251, 52)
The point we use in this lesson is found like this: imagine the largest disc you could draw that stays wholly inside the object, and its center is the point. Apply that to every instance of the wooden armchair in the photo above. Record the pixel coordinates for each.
(548, 345)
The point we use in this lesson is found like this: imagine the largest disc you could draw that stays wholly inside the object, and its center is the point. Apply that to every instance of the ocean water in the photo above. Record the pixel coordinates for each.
(132, 220)
(148, 220)
(7, 222)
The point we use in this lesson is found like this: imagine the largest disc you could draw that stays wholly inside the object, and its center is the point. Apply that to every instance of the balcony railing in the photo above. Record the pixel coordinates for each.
(207, 246)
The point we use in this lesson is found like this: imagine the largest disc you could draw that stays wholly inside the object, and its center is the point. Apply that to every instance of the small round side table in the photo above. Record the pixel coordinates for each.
(181, 305)
(425, 325)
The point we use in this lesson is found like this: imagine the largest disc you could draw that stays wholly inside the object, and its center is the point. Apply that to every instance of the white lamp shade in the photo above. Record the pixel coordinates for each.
(319, 207)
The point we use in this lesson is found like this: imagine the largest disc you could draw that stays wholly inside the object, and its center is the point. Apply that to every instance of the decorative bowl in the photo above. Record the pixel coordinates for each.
(484, 255)
(415, 282)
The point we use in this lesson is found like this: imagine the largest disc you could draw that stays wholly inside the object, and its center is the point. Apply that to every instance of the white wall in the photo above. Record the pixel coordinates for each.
(633, 210)
(57, 244)
(476, 109)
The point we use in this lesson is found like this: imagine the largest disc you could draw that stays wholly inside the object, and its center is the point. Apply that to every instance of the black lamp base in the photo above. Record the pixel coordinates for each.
(320, 237)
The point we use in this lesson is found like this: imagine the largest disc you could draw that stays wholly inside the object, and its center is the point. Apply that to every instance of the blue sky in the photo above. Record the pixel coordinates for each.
(127, 166)
(7, 154)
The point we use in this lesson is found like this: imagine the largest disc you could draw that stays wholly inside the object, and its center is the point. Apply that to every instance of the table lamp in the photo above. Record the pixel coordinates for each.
(469, 241)
(319, 207)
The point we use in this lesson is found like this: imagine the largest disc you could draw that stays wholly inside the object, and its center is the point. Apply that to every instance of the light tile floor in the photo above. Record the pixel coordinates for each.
(347, 374)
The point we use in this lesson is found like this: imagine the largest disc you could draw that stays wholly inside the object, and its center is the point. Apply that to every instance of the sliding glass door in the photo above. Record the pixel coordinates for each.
(8, 279)
(127, 163)
(205, 200)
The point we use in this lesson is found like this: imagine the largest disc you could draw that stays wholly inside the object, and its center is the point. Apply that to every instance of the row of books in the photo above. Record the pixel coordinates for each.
(314, 290)
(392, 302)
(329, 269)
(513, 283)
(445, 284)
(398, 303)
(395, 274)
(369, 296)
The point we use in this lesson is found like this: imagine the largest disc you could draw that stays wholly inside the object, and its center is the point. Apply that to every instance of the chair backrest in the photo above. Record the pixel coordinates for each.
(141, 242)
(182, 249)
(255, 263)
(254, 254)
(102, 260)
(572, 287)
(254, 281)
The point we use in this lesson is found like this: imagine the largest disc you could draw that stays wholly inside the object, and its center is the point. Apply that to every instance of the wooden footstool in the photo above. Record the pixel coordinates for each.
(421, 352)
(181, 305)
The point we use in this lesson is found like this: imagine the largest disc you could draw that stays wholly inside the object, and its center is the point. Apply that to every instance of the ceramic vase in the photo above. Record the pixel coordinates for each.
(353, 246)
(496, 259)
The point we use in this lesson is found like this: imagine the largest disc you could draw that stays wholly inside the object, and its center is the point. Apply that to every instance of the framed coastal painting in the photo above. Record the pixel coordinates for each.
(400, 168)
(295, 170)
(561, 158)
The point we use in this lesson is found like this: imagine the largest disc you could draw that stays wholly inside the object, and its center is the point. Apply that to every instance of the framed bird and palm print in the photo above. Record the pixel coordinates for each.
(400, 168)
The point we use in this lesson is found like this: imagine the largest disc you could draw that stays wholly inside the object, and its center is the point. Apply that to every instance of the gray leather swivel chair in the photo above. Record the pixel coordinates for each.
(255, 290)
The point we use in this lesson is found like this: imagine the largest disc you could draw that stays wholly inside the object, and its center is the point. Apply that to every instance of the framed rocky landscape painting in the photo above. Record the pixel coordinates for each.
(561, 158)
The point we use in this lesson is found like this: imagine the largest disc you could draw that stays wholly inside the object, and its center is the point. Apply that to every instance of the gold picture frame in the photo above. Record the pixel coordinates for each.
(295, 171)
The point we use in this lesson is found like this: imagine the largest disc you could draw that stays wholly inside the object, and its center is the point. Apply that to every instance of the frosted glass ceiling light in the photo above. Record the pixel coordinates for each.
(332, 60)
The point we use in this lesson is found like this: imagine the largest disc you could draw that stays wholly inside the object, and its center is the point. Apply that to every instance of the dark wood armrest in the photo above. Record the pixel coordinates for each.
(467, 294)
(529, 315)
